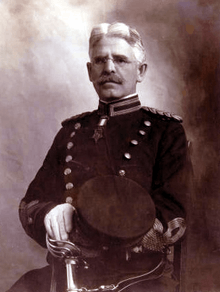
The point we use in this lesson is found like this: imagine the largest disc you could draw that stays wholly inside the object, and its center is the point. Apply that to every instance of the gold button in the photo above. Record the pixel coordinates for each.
(121, 172)
(69, 158)
(69, 200)
(69, 186)
(134, 142)
(142, 133)
(70, 145)
(77, 126)
(147, 123)
(127, 155)
(72, 134)
(67, 171)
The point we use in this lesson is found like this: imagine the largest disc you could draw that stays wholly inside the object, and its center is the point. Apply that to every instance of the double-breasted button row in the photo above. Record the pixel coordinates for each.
(147, 124)
(134, 142)
(67, 171)
(77, 126)
(70, 144)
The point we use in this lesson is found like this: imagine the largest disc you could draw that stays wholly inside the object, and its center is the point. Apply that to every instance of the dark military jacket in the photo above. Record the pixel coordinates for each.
(121, 139)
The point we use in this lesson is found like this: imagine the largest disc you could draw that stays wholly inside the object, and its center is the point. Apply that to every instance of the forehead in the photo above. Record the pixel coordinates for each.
(112, 46)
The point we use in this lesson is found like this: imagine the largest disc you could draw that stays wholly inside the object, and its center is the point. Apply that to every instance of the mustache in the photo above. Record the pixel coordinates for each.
(110, 78)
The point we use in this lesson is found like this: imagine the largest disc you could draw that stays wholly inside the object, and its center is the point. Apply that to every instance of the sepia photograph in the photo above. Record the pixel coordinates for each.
(110, 146)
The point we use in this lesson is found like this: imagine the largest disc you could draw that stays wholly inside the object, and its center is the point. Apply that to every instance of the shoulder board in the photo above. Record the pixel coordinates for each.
(73, 118)
(163, 114)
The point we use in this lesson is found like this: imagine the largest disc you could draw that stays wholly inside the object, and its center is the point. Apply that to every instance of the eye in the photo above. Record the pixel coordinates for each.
(120, 60)
(99, 60)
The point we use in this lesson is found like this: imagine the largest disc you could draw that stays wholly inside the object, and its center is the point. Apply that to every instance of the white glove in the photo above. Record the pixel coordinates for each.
(59, 221)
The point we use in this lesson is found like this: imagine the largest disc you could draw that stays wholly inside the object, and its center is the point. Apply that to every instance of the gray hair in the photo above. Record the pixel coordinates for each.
(120, 30)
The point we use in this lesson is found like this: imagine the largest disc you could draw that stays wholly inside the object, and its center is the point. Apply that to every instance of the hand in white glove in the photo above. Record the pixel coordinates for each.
(59, 221)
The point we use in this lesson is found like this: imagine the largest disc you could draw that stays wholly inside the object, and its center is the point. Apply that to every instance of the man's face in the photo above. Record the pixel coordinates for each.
(114, 69)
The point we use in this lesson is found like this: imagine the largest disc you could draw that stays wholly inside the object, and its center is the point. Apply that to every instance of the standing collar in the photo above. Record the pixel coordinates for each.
(122, 106)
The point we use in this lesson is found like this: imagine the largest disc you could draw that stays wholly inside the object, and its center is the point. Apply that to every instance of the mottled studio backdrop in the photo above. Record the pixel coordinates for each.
(43, 80)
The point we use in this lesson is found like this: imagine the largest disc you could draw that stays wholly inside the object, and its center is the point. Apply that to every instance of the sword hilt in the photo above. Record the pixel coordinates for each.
(72, 256)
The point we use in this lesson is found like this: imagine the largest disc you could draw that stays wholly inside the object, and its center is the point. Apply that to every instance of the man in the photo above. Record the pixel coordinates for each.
(114, 181)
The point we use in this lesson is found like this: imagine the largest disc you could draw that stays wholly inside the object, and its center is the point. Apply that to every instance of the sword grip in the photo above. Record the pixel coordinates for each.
(71, 265)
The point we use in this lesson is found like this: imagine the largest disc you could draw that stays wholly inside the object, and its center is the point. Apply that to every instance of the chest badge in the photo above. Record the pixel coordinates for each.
(98, 134)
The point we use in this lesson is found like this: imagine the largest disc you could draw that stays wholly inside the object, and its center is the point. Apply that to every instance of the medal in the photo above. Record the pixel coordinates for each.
(98, 132)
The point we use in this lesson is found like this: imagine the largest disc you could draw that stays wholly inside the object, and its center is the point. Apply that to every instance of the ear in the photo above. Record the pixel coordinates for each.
(89, 68)
(141, 72)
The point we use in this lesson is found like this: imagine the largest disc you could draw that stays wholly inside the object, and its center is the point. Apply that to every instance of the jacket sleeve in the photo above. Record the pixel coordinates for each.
(170, 188)
(43, 194)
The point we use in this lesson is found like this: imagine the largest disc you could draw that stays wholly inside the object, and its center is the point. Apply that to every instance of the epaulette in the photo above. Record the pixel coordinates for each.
(163, 114)
(73, 118)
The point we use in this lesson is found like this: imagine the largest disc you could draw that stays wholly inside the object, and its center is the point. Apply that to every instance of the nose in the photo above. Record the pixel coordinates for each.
(109, 66)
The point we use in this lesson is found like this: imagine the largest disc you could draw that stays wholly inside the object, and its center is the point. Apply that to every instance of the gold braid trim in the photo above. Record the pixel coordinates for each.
(156, 239)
